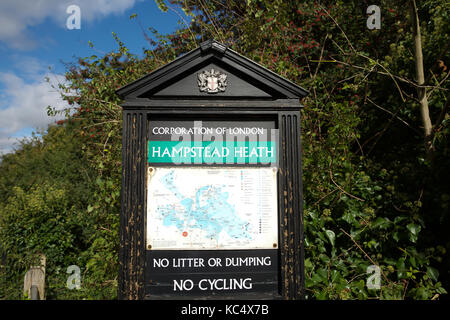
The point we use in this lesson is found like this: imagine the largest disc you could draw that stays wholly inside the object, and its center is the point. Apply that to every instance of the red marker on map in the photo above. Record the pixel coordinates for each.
(185, 234)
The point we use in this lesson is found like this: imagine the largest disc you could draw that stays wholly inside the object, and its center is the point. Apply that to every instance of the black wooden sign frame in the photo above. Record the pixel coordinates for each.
(253, 93)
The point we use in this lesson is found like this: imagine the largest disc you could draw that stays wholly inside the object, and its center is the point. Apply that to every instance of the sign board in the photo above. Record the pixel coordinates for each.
(212, 213)
(211, 181)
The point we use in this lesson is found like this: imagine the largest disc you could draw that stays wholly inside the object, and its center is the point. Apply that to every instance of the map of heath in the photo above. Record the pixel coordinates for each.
(211, 208)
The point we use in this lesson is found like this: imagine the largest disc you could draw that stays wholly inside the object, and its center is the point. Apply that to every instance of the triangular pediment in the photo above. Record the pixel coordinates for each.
(225, 74)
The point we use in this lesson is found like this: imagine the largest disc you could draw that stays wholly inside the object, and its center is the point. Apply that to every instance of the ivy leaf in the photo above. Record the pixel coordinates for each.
(401, 268)
(382, 223)
(433, 273)
(414, 230)
(308, 264)
(396, 237)
(331, 236)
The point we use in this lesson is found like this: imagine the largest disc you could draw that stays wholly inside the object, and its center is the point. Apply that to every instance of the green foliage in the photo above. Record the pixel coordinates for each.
(42, 197)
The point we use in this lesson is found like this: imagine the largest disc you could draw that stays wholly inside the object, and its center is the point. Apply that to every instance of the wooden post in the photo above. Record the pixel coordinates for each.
(34, 281)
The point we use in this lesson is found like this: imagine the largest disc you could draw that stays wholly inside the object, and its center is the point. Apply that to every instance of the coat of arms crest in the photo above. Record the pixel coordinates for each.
(212, 81)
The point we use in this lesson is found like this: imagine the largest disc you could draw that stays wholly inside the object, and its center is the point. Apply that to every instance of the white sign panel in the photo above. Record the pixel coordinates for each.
(212, 208)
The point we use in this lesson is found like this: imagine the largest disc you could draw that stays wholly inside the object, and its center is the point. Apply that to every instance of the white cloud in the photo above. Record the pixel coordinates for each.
(8, 144)
(18, 16)
(26, 104)
(30, 67)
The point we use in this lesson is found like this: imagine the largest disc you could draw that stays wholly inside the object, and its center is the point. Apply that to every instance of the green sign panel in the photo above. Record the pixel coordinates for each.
(212, 152)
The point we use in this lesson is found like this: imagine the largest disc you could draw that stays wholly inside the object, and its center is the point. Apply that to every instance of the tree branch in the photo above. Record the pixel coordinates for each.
(420, 75)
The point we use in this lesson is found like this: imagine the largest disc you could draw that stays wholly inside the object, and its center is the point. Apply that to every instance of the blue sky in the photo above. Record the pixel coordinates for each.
(34, 39)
